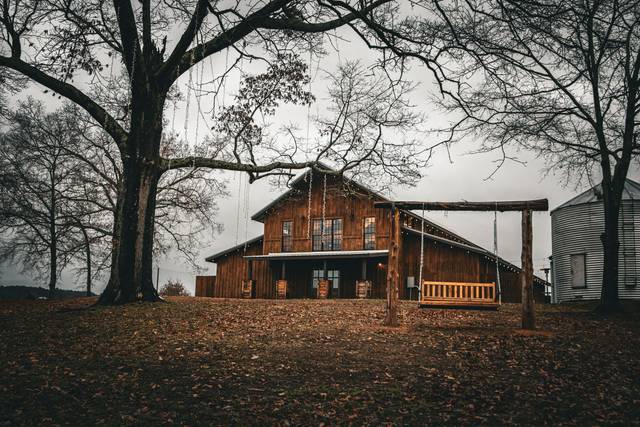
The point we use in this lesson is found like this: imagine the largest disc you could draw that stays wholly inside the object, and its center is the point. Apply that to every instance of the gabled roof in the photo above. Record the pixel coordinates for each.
(631, 191)
(211, 258)
(262, 212)
(303, 176)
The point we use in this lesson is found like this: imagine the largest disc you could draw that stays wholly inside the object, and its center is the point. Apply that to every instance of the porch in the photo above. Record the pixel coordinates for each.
(303, 271)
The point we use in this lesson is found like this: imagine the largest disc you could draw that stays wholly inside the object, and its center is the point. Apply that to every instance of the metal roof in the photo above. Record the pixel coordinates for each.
(373, 253)
(249, 242)
(430, 236)
(631, 191)
(474, 248)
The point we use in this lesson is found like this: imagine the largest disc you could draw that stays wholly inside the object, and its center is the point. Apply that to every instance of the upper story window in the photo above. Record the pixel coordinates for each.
(369, 233)
(329, 237)
(287, 236)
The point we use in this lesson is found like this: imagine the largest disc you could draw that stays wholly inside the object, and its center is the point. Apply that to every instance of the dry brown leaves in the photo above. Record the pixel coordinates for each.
(201, 361)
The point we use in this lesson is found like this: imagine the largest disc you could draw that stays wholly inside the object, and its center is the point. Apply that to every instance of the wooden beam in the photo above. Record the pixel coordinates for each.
(393, 274)
(502, 206)
(526, 275)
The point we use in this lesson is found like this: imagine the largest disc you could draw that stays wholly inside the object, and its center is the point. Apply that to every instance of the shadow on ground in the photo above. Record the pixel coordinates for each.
(200, 361)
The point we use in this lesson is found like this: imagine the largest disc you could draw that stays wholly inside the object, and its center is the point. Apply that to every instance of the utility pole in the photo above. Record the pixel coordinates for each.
(547, 290)
(546, 273)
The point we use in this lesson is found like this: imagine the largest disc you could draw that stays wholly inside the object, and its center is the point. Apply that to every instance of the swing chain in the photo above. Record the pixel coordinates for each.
(495, 250)
(421, 254)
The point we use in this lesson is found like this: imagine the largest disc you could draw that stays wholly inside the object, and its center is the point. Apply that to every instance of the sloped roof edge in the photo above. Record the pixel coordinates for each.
(631, 191)
(476, 249)
(211, 258)
(258, 215)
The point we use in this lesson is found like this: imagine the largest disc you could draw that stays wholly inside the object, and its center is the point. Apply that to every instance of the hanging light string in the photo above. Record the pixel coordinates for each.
(308, 105)
(173, 118)
(224, 78)
(198, 105)
(189, 84)
(238, 207)
(324, 207)
(111, 70)
(186, 114)
(309, 205)
(246, 213)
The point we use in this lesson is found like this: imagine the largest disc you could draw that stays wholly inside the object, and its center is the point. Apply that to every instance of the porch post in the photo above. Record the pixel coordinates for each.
(526, 275)
(391, 316)
(284, 270)
(324, 270)
(364, 269)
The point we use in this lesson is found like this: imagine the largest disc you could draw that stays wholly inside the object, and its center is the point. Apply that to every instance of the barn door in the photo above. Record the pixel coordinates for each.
(578, 271)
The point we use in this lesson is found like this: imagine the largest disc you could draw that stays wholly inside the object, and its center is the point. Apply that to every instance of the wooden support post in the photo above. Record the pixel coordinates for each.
(502, 206)
(364, 269)
(284, 271)
(393, 276)
(526, 275)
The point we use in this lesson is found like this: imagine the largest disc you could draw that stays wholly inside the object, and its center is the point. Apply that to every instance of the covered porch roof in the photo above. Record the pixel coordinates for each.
(374, 253)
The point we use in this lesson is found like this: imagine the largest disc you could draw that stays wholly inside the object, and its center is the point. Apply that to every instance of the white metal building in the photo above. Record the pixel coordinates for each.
(577, 253)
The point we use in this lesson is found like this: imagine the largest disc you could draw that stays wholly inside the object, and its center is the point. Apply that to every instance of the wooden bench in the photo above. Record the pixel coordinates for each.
(458, 295)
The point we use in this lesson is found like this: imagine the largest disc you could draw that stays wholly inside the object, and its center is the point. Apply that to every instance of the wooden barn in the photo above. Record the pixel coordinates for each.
(325, 229)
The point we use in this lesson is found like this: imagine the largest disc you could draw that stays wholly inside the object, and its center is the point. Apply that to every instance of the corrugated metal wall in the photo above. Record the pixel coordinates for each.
(576, 230)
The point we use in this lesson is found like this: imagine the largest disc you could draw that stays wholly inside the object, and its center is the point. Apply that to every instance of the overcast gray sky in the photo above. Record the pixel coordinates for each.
(462, 178)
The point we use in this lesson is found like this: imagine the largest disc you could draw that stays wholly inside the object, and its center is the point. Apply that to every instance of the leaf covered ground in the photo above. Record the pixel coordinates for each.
(203, 361)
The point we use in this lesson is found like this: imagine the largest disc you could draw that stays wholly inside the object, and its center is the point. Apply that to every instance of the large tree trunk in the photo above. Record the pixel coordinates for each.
(131, 268)
(53, 267)
(53, 247)
(87, 249)
(609, 301)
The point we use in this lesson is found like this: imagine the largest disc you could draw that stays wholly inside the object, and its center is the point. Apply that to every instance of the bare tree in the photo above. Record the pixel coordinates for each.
(60, 180)
(186, 204)
(559, 78)
(52, 42)
(35, 177)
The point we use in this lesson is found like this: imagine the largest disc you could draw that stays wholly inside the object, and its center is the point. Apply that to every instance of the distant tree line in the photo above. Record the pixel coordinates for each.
(59, 178)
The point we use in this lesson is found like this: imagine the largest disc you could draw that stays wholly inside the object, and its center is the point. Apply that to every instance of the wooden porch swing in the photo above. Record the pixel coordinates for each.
(453, 294)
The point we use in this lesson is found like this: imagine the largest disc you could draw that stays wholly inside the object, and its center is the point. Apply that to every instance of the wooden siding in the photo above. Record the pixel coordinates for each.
(341, 202)
(233, 269)
(205, 286)
(442, 262)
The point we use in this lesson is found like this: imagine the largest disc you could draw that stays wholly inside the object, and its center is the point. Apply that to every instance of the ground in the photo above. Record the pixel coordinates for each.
(202, 361)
